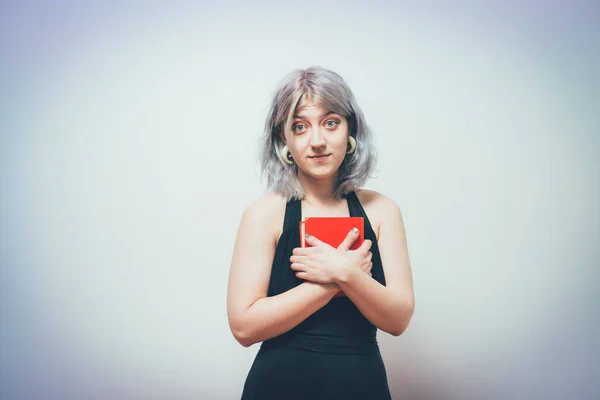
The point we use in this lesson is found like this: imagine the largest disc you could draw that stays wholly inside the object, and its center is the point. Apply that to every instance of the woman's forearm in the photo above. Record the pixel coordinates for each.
(388, 309)
(271, 316)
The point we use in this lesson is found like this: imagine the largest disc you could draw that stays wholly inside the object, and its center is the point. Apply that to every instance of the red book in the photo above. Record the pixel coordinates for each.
(333, 231)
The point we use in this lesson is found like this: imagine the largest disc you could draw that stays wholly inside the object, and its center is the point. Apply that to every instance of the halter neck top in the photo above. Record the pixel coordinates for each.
(338, 327)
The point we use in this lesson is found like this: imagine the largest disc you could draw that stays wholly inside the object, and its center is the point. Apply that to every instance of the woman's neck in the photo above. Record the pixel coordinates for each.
(319, 192)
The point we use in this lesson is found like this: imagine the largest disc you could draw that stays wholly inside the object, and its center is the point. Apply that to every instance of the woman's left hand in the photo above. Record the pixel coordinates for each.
(323, 263)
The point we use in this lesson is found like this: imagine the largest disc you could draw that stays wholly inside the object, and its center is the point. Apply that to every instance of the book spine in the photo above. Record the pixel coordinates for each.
(302, 231)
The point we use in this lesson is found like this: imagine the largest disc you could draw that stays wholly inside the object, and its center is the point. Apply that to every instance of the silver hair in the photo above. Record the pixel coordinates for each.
(328, 89)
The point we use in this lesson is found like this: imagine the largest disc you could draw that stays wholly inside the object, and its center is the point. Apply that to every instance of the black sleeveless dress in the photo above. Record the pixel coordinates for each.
(333, 354)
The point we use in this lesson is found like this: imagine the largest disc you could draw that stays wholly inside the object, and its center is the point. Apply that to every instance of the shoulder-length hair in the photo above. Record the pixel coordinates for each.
(329, 90)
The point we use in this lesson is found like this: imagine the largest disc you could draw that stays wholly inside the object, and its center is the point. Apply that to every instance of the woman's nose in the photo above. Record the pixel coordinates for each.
(317, 139)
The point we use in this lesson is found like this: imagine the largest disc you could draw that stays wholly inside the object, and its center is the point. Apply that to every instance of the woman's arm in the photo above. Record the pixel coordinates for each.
(254, 317)
(389, 307)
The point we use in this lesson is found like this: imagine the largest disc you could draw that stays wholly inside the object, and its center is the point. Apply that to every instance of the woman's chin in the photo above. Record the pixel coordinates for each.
(323, 173)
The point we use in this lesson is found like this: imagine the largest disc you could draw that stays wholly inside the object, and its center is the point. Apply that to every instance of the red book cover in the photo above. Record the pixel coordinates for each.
(333, 231)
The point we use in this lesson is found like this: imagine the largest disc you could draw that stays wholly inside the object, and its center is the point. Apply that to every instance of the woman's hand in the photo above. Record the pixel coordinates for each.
(322, 263)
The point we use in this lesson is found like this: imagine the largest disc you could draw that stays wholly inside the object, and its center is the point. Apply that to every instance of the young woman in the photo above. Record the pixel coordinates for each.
(317, 152)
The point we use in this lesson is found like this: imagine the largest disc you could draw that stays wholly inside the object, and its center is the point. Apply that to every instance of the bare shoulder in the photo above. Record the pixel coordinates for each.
(269, 210)
(378, 207)
(267, 203)
(372, 198)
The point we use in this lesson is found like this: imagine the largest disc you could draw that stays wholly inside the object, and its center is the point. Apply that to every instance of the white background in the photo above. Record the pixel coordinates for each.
(128, 140)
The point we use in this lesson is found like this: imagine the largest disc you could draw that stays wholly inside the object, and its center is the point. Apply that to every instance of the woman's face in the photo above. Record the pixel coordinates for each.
(317, 141)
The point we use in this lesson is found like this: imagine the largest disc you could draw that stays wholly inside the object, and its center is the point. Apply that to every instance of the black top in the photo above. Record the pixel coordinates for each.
(338, 327)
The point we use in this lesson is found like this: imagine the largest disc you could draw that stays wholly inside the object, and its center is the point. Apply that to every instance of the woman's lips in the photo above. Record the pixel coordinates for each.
(320, 159)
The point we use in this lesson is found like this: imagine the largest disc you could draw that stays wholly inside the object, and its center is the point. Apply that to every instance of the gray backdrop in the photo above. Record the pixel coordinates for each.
(127, 144)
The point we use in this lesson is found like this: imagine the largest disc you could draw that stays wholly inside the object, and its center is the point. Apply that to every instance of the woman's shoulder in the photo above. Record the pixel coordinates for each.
(267, 204)
(374, 199)
(377, 206)
(268, 210)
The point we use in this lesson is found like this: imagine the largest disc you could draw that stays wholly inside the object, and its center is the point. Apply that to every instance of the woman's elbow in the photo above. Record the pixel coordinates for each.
(242, 335)
(398, 331)
(403, 321)
(244, 341)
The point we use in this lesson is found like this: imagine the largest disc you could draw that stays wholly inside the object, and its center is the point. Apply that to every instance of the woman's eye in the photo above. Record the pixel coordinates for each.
(298, 128)
(331, 123)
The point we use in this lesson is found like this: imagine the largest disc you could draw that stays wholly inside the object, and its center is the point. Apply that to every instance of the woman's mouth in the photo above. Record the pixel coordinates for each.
(319, 159)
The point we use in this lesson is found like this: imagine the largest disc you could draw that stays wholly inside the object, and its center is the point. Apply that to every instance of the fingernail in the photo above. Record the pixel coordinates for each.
(355, 230)
(307, 235)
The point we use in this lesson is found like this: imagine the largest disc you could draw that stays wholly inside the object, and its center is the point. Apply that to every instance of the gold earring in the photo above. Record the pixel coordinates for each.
(352, 142)
(286, 155)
